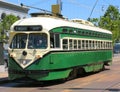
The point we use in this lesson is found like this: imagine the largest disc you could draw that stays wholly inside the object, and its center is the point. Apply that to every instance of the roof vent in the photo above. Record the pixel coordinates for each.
(80, 21)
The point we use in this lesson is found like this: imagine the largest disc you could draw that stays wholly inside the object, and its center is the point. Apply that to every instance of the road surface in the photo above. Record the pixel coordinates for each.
(104, 81)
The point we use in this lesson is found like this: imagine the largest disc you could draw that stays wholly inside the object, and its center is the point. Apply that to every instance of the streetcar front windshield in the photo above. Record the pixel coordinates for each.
(19, 41)
(37, 41)
(30, 41)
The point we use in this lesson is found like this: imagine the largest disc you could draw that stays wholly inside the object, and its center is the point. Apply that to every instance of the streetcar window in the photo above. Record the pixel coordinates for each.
(90, 33)
(87, 33)
(19, 41)
(109, 45)
(104, 45)
(37, 41)
(65, 30)
(87, 44)
(101, 45)
(96, 45)
(71, 31)
(79, 32)
(65, 44)
(79, 44)
(90, 44)
(83, 33)
(54, 40)
(93, 44)
(83, 44)
(57, 41)
(75, 44)
(70, 44)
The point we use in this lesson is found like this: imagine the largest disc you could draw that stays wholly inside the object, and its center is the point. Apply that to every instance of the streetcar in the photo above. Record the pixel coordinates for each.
(44, 47)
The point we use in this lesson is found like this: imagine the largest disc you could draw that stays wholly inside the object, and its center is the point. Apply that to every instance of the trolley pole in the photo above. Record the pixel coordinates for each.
(59, 2)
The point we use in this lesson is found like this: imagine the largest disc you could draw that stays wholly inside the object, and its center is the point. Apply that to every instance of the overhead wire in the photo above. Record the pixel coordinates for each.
(78, 4)
(93, 8)
(75, 2)
(39, 2)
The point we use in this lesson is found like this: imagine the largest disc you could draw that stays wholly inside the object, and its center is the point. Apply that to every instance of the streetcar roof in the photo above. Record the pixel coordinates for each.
(49, 23)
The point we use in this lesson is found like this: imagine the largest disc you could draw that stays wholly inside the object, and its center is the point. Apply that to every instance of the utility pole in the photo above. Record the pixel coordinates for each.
(59, 2)
(18, 1)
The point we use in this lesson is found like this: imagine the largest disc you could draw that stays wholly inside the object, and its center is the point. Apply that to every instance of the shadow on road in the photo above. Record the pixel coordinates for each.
(6, 83)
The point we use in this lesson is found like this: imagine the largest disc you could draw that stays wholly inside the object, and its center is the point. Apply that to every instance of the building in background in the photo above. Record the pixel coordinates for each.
(7, 8)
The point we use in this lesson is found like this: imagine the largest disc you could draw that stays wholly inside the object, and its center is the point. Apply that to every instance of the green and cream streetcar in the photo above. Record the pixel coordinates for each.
(44, 48)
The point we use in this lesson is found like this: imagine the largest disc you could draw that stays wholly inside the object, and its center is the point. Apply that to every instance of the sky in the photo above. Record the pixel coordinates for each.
(72, 9)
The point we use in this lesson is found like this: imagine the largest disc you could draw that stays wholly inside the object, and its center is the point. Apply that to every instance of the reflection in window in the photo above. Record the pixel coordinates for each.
(37, 41)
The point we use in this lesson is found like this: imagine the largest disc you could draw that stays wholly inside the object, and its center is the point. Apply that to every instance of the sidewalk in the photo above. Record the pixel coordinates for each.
(3, 74)
(3, 71)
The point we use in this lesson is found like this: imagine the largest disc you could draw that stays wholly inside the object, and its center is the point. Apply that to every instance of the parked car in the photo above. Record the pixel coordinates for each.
(116, 48)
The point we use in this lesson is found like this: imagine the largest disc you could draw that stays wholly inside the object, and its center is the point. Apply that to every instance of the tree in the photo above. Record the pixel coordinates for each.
(94, 21)
(5, 24)
(110, 21)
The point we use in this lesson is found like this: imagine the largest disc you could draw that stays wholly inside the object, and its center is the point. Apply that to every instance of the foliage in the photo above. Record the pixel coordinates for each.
(110, 21)
(5, 24)
(94, 21)
(8, 21)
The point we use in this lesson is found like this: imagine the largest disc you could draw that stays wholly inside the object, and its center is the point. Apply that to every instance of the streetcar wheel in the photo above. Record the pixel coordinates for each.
(73, 74)
(103, 67)
(81, 72)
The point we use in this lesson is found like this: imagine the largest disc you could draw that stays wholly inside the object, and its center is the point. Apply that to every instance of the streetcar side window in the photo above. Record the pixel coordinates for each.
(75, 44)
(87, 44)
(79, 44)
(95, 44)
(54, 40)
(70, 44)
(110, 45)
(101, 45)
(83, 44)
(98, 44)
(57, 41)
(90, 44)
(65, 44)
